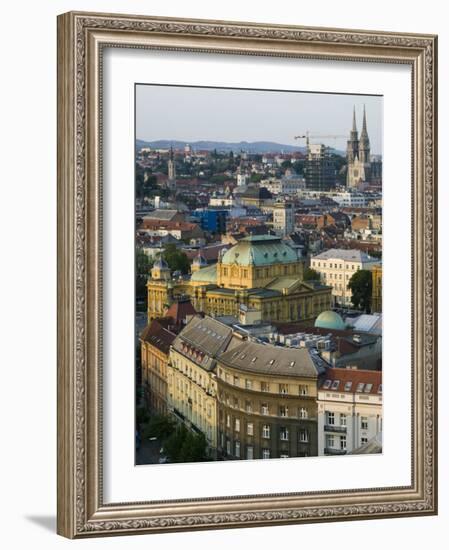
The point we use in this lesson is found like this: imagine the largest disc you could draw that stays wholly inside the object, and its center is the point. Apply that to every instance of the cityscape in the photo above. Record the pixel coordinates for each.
(258, 291)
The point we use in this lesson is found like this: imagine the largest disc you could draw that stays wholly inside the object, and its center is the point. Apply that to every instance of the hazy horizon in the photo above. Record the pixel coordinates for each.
(190, 114)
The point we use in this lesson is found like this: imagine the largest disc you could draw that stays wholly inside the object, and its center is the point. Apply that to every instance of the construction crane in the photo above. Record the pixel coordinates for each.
(308, 136)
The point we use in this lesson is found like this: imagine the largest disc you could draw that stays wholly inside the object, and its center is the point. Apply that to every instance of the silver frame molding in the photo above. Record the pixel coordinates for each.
(81, 38)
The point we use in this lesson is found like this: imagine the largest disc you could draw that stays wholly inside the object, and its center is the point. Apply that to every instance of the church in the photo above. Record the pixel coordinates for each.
(358, 155)
(258, 279)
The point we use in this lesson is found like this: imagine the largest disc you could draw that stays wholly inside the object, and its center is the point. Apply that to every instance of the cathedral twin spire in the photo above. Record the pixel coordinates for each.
(358, 148)
(358, 153)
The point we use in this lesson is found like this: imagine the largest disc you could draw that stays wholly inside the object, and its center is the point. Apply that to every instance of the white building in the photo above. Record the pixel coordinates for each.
(289, 185)
(283, 218)
(349, 410)
(350, 199)
(337, 266)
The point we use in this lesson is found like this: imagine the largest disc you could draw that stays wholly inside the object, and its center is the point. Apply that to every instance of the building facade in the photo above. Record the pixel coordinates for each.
(376, 300)
(260, 273)
(192, 384)
(319, 168)
(266, 402)
(337, 266)
(349, 410)
(155, 342)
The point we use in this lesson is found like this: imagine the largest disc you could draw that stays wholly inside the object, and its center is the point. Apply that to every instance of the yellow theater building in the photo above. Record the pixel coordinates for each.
(261, 275)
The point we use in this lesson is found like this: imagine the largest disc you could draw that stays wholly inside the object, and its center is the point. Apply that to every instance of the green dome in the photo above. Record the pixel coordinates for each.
(207, 275)
(331, 320)
(260, 250)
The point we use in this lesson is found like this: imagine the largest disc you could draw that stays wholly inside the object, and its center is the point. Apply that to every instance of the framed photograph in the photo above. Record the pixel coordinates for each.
(246, 274)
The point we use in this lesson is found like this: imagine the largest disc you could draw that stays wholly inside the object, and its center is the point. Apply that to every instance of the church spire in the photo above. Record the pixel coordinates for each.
(364, 131)
(354, 124)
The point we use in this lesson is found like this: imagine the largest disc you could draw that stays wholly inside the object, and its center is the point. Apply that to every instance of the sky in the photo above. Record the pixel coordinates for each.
(223, 114)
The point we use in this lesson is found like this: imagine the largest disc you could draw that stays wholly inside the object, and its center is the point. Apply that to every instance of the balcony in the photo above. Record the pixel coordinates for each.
(333, 451)
(335, 429)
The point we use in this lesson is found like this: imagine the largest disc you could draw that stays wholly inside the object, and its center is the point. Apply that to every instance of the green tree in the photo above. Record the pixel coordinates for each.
(311, 275)
(255, 178)
(177, 259)
(194, 448)
(185, 446)
(159, 426)
(361, 286)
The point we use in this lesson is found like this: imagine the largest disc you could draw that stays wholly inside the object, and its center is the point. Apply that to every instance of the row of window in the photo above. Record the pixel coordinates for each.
(266, 410)
(335, 266)
(331, 420)
(235, 450)
(303, 435)
(248, 384)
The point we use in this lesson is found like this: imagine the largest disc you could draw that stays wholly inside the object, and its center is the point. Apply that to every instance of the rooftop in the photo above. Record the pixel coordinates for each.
(271, 360)
(202, 339)
(346, 255)
(158, 336)
(352, 381)
(260, 250)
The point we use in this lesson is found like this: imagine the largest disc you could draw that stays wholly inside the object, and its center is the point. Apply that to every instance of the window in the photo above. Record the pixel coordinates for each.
(250, 452)
(237, 425)
(236, 380)
(342, 420)
(264, 386)
(237, 449)
(228, 421)
(364, 422)
(283, 410)
(363, 440)
(343, 443)
(250, 428)
(266, 431)
(335, 384)
(303, 390)
(360, 387)
(303, 436)
(330, 418)
(236, 403)
(283, 389)
(284, 434)
(265, 453)
(303, 413)
(348, 386)
(327, 384)
(248, 406)
(248, 384)
(330, 441)
(228, 447)
(264, 408)
(368, 388)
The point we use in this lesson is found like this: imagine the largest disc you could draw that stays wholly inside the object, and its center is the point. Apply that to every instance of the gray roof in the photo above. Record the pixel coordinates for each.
(346, 255)
(202, 339)
(373, 446)
(271, 360)
(161, 214)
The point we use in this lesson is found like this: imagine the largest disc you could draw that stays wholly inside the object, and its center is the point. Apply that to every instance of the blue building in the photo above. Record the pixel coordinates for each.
(211, 220)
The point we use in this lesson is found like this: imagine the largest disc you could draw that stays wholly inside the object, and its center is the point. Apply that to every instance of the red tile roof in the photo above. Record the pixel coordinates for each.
(351, 381)
(180, 310)
(158, 336)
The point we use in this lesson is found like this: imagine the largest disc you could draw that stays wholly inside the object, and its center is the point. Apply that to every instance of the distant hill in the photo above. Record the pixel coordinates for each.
(224, 146)
(236, 147)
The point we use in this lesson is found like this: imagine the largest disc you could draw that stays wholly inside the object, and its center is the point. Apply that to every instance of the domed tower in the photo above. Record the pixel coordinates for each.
(160, 270)
(198, 263)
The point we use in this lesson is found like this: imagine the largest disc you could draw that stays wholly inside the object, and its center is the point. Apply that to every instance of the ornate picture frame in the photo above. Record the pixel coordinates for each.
(82, 38)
